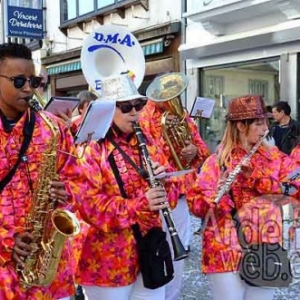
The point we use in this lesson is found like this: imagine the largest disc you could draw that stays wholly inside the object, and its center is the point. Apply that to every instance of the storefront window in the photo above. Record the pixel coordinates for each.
(226, 82)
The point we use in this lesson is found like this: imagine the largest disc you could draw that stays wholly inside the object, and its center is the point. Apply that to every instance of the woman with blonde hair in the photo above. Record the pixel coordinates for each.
(241, 172)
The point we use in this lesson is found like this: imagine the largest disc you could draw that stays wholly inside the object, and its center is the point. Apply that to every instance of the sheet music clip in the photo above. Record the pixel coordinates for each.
(199, 114)
(202, 108)
(84, 144)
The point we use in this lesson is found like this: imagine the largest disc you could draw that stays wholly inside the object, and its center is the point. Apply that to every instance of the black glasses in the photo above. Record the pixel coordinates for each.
(19, 82)
(127, 107)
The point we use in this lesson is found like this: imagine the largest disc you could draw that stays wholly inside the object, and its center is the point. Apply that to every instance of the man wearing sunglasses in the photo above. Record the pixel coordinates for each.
(119, 197)
(24, 137)
(195, 152)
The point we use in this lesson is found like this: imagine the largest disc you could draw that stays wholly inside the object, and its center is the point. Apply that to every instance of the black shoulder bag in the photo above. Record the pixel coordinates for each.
(154, 252)
(262, 265)
(27, 132)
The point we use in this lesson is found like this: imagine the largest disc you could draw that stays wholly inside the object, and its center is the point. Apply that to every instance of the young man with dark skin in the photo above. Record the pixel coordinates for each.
(19, 123)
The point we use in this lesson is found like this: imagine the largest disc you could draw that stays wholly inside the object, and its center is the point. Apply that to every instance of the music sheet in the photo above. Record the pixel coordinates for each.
(96, 121)
(202, 108)
(61, 104)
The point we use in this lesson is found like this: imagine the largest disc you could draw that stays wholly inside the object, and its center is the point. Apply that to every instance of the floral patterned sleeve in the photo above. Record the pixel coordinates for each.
(203, 151)
(6, 244)
(102, 204)
(269, 179)
(70, 168)
(201, 195)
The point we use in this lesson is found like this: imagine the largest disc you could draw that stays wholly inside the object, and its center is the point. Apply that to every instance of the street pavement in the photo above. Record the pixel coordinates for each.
(195, 285)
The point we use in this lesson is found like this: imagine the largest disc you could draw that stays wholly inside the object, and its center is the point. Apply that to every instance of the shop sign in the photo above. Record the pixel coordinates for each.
(24, 22)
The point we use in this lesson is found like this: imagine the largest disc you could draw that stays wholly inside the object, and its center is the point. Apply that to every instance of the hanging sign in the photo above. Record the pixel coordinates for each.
(24, 22)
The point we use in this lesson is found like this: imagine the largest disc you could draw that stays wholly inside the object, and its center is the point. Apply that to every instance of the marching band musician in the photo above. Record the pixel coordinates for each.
(258, 173)
(19, 126)
(120, 197)
(85, 97)
(195, 151)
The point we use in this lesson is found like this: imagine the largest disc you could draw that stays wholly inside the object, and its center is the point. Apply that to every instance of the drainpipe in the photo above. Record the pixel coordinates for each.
(183, 41)
(2, 22)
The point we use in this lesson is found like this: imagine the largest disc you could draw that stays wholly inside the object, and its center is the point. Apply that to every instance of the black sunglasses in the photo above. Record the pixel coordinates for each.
(126, 108)
(19, 82)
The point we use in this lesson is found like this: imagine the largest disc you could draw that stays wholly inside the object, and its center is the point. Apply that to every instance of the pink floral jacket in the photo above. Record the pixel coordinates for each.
(109, 254)
(150, 120)
(256, 198)
(15, 203)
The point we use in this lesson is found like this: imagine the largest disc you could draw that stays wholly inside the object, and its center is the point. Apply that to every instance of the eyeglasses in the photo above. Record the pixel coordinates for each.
(126, 108)
(19, 82)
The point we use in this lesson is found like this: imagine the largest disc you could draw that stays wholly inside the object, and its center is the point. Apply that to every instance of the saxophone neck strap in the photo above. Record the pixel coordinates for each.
(27, 133)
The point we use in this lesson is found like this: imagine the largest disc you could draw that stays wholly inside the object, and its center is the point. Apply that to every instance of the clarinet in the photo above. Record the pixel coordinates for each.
(178, 249)
(231, 177)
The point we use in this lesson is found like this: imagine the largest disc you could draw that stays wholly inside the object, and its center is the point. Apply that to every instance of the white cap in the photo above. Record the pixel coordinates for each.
(120, 88)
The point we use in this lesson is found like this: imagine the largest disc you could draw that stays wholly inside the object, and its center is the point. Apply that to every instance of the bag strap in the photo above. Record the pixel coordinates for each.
(135, 227)
(137, 232)
(27, 132)
(116, 172)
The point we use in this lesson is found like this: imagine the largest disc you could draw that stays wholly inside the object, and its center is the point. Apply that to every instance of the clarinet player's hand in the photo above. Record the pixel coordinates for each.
(158, 169)
(157, 198)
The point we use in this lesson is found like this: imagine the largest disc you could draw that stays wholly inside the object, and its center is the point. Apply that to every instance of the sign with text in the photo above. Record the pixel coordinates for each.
(24, 22)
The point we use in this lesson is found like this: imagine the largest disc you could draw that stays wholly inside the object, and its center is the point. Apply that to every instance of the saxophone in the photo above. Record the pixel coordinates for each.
(231, 177)
(49, 226)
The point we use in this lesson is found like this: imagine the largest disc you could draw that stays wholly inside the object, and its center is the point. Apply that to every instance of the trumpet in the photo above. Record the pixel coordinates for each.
(179, 250)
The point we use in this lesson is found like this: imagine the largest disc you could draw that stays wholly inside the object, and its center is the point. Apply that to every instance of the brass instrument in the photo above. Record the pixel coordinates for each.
(49, 226)
(179, 250)
(165, 91)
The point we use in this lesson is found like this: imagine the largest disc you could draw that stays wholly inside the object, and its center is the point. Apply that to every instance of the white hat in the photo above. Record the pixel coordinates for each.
(120, 88)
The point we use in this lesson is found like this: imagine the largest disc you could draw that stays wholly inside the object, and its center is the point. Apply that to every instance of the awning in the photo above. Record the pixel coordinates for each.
(64, 67)
(160, 66)
(230, 46)
(153, 47)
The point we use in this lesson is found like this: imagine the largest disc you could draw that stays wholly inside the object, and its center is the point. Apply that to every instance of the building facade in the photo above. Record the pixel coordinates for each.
(156, 25)
(239, 47)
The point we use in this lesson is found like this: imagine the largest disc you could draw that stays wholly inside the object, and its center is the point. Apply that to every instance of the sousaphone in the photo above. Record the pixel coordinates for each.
(109, 51)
